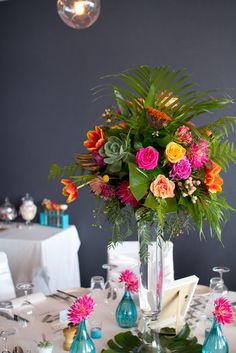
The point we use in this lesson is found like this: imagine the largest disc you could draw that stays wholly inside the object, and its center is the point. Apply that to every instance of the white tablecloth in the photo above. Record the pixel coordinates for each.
(46, 256)
(104, 312)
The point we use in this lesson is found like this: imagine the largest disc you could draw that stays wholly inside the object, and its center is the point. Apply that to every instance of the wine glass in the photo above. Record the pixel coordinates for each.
(110, 285)
(26, 311)
(97, 287)
(4, 334)
(221, 270)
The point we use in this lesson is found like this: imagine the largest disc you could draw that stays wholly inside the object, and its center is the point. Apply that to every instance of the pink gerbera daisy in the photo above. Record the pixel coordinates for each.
(130, 279)
(125, 195)
(223, 311)
(81, 309)
(199, 154)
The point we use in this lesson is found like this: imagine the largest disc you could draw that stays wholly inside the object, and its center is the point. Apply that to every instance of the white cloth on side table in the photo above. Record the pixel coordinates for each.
(45, 256)
(7, 289)
(125, 256)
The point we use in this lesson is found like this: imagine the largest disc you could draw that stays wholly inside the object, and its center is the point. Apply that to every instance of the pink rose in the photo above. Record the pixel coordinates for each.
(147, 158)
(162, 187)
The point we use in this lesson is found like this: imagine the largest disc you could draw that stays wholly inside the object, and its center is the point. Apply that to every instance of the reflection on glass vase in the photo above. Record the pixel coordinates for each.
(215, 342)
(82, 342)
(126, 312)
(150, 278)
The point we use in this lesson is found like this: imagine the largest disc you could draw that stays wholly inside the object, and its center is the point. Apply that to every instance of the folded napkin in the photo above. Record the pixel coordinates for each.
(32, 298)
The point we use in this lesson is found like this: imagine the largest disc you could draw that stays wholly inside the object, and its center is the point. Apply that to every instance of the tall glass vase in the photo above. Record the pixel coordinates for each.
(150, 278)
(82, 342)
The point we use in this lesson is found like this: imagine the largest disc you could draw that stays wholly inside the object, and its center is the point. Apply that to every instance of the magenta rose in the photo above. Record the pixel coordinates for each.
(147, 158)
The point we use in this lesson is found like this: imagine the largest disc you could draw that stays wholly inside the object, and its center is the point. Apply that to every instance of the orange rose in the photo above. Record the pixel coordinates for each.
(174, 152)
(70, 190)
(162, 187)
(212, 179)
(96, 139)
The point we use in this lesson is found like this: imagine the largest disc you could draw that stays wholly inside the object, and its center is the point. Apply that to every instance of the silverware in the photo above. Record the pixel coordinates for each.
(6, 315)
(57, 296)
(68, 294)
(17, 349)
(19, 318)
(50, 318)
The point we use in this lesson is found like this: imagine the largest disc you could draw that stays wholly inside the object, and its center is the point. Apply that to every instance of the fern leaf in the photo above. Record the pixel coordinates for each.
(58, 172)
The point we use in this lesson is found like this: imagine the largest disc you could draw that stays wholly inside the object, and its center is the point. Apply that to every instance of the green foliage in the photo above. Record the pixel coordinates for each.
(126, 342)
(120, 219)
(139, 181)
(58, 172)
(211, 208)
(222, 152)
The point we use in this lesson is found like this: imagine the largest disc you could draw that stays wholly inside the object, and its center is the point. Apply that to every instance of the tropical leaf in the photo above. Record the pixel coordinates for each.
(222, 152)
(139, 181)
(126, 342)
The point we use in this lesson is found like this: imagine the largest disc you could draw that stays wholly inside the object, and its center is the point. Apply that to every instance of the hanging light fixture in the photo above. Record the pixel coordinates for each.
(79, 14)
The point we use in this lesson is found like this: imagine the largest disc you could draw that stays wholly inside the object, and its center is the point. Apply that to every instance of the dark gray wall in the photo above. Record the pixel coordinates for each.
(47, 70)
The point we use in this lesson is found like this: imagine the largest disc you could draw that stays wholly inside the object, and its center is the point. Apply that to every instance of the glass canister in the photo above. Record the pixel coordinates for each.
(7, 211)
(28, 209)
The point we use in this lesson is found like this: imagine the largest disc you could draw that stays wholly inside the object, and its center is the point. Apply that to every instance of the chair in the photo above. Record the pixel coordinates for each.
(7, 289)
(125, 256)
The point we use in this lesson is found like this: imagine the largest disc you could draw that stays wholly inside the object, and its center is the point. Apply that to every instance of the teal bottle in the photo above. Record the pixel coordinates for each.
(126, 312)
(215, 342)
(82, 342)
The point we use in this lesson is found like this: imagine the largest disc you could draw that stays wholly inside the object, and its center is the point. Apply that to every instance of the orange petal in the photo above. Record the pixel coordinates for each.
(66, 181)
(72, 197)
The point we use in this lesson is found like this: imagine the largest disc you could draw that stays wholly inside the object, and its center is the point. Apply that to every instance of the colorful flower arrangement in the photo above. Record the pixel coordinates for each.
(81, 309)
(149, 153)
(223, 311)
(130, 280)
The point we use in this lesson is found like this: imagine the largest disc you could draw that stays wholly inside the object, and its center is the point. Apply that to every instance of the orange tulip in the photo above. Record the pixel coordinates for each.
(70, 190)
(212, 180)
(96, 139)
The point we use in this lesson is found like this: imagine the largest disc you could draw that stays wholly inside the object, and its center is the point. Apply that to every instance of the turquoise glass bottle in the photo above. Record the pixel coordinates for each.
(215, 342)
(82, 342)
(126, 312)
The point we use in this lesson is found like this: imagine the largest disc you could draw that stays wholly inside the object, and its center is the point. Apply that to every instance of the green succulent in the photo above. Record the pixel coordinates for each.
(115, 151)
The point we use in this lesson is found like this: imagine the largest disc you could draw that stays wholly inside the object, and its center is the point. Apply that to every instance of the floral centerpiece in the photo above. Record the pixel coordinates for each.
(149, 151)
(156, 157)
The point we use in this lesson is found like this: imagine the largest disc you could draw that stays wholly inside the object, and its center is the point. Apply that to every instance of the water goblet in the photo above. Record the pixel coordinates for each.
(26, 311)
(4, 334)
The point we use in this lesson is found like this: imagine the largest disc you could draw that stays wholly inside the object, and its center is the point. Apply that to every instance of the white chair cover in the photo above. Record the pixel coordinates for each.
(125, 256)
(7, 289)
